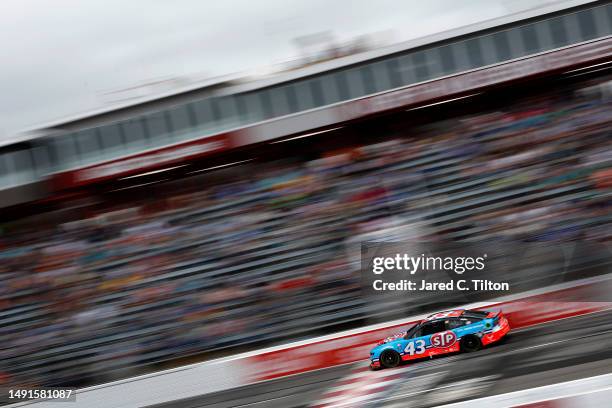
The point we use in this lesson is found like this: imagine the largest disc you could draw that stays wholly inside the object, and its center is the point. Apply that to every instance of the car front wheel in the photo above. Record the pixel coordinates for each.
(390, 359)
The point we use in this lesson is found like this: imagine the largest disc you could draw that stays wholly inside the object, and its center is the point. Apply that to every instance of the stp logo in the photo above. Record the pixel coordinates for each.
(444, 339)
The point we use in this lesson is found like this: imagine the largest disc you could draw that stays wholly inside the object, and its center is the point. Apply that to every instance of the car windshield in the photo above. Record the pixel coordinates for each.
(410, 332)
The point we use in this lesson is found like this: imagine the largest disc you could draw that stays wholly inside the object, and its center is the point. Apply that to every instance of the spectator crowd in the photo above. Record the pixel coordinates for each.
(268, 259)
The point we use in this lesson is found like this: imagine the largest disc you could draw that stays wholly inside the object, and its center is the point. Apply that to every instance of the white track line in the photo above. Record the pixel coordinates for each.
(557, 391)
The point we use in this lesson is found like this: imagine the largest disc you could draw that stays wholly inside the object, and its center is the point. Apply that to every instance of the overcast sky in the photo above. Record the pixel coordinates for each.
(62, 57)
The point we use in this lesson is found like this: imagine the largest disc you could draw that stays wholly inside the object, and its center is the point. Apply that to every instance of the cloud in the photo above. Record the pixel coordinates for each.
(60, 57)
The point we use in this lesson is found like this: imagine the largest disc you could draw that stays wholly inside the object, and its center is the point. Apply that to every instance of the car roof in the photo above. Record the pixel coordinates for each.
(443, 315)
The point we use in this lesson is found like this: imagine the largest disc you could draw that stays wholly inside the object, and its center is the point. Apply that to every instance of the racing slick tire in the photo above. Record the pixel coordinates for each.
(390, 359)
(470, 344)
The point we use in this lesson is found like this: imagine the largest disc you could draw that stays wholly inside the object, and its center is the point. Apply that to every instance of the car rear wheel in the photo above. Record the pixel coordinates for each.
(470, 344)
(390, 359)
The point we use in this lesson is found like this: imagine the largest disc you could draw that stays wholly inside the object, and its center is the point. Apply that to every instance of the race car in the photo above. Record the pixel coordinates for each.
(441, 333)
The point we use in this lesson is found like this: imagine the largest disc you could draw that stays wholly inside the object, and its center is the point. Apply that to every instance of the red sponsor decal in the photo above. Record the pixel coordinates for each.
(322, 354)
(450, 313)
(443, 339)
(147, 161)
(542, 404)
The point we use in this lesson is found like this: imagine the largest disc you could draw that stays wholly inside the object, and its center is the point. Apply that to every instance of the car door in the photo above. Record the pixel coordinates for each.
(461, 325)
(420, 344)
(468, 325)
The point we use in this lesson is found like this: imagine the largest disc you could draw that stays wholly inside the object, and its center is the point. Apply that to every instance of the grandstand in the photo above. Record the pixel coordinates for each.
(130, 243)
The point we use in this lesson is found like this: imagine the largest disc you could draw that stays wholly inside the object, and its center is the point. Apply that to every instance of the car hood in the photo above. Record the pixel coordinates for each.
(392, 338)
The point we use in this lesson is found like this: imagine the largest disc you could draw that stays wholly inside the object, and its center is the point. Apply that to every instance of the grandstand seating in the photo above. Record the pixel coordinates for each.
(251, 264)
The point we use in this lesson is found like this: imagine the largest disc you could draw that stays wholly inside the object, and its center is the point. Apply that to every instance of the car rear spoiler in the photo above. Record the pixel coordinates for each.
(495, 315)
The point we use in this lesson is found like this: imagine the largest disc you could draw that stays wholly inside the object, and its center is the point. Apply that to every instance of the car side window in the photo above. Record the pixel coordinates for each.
(453, 324)
(460, 322)
(433, 327)
(412, 332)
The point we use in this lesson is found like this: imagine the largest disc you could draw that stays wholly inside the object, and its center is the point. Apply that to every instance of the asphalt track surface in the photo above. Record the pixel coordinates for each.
(545, 354)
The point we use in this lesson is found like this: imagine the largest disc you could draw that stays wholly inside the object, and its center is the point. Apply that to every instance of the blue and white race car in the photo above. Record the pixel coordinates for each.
(441, 333)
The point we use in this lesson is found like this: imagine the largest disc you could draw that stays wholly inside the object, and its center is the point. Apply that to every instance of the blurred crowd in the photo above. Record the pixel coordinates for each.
(269, 258)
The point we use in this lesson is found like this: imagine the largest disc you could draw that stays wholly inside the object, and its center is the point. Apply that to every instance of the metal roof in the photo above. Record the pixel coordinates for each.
(548, 8)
